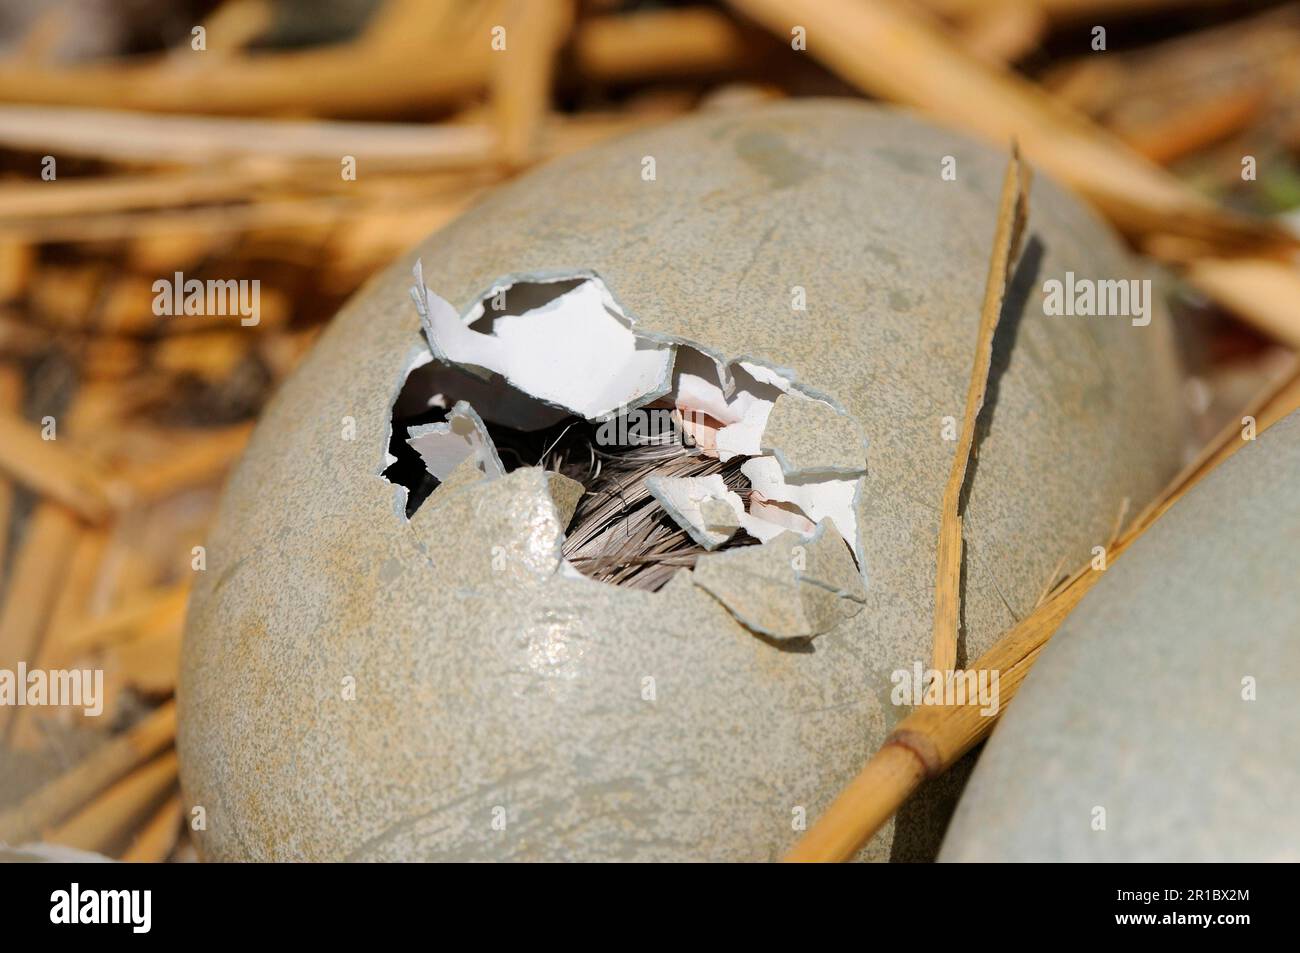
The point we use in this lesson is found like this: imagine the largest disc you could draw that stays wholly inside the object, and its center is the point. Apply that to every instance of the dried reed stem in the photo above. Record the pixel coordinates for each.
(50, 804)
(11, 391)
(155, 841)
(49, 469)
(1012, 211)
(199, 462)
(643, 44)
(78, 583)
(149, 610)
(115, 812)
(33, 588)
(521, 76)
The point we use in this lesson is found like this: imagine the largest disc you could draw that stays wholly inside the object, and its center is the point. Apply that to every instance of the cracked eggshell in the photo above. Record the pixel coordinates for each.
(605, 723)
(1136, 706)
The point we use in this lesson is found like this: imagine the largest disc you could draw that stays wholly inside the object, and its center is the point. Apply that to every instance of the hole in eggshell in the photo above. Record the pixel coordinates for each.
(665, 441)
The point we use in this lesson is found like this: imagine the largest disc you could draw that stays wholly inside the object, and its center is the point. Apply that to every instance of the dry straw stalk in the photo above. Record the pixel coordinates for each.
(25, 821)
(1012, 212)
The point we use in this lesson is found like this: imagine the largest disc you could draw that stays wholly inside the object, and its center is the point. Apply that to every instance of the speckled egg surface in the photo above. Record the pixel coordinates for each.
(357, 686)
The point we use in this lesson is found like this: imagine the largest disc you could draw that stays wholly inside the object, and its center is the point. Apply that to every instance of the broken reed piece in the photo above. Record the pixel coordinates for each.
(234, 25)
(54, 537)
(43, 36)
(150, 610)
(1002, 33)
(150, 662)
(121, 193)
(425, 61)
(19, 338)
(204, 460)
(1012, 213)
(413, 53)
(157, 838)
(313, 221)
(319, 213)
(645, 44)
(117, 757)
(931, 739)
(17, 260)
(1068, 9)
(1200, 124)
(1187, 69)
(126, 137)
(78, 584)
(11, 393)
(136, 560)
(522, 75)
(112, 359)
(120, 808)
(33, 586)
(52, 471)
(65, 295)
(1267, 290)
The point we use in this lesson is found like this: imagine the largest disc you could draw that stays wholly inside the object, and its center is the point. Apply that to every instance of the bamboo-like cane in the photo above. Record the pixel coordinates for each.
(931, 739)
